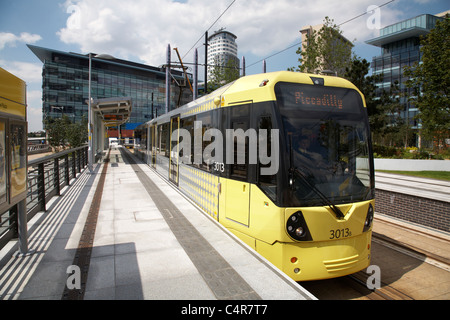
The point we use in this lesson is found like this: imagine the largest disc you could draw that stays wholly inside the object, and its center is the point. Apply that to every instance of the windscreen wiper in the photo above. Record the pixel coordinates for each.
(327, 201)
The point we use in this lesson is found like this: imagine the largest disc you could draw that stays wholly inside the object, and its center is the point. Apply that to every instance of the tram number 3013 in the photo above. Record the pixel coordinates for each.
(219, 166)
(340, 233)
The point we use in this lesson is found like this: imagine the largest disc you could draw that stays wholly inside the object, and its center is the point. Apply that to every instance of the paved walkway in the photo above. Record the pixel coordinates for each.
(137, 253)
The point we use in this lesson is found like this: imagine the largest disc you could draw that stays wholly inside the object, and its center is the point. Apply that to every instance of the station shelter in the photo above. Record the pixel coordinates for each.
(108, 113)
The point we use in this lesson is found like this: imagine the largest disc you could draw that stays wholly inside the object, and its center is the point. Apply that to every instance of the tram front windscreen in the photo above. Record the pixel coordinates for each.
(327, 138)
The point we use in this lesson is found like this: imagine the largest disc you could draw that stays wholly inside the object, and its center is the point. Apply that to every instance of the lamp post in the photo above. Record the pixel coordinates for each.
(90, 115)
(90, 157)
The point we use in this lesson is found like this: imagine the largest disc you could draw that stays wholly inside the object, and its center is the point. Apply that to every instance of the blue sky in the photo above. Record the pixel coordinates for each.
(139, 30)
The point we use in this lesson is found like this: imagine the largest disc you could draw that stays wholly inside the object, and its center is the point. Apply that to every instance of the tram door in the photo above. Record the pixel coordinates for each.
(153, 132)
(237, 189)
(174, 152)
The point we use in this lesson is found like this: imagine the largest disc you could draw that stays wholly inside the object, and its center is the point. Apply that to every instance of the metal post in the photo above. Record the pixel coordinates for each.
(41, 186)
(195, 93)
(168, 80)
(90, 158)
(264, 66)
(206, 62)
(56, 182)
(66, 169)
(243, 66)
(23, 230)
(152, 106)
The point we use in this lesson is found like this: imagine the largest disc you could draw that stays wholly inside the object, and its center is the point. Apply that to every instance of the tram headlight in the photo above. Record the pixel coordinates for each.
(369, 218)
(297, 228)
(299, 232)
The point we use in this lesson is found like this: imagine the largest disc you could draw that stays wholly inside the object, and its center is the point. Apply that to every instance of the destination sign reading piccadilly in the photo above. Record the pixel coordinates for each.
(317, 98)
(325, 100)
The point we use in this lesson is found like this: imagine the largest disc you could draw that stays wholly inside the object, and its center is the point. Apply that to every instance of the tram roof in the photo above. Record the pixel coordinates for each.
(260, 87)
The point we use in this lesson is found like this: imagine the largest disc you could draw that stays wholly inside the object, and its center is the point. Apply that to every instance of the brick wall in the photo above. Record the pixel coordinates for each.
(424, 211)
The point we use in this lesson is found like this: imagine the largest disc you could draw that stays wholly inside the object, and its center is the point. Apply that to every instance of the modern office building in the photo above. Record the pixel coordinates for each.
(222, 49)
(400, 47)
(65, 85)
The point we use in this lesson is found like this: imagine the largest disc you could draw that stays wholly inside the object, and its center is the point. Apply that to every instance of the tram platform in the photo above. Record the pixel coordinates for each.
(415, 186)
(150, 243)
(139, 253)
(428, 242)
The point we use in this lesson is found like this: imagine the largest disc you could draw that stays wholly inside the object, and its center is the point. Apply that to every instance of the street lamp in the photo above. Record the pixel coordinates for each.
(90, 126)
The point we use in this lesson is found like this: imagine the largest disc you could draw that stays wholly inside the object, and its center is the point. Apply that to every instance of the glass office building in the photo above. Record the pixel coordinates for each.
(400, 47)
(65, 84)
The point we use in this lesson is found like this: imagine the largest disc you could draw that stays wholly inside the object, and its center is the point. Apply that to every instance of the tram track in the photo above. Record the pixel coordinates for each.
(385, 292)
(395, 287)
(412, 250)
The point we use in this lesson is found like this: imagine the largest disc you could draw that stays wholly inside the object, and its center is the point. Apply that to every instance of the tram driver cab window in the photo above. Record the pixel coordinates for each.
(268, 183)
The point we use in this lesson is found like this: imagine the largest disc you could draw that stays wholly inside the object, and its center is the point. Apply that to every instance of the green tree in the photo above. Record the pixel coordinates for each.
(56, 130)
(357, 73)
(386, 124)
(62, 132)
(430, 82)
(396, 131)
(77, 133)
(327, 49)
(223, 74)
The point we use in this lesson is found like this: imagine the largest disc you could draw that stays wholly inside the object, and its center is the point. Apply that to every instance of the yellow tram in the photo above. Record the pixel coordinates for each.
(283, 160)
(13, 140)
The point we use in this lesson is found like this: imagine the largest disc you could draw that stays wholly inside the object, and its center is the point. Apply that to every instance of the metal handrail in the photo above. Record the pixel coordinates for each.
(46, 177)
(49, 174)
(53, 156)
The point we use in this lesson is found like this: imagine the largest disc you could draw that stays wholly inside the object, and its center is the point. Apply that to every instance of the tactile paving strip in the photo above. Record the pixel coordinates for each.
(83, 254)
(222, 279)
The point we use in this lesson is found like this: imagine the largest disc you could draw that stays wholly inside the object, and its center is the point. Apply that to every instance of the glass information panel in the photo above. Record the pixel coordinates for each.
(18, 146)
(3, 197)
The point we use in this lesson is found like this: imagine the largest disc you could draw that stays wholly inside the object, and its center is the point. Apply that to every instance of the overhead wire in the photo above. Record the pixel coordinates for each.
(299, 43)
(229, 6)
(362, 14)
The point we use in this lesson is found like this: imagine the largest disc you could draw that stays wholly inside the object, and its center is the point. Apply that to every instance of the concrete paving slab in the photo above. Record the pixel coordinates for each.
(135, 254)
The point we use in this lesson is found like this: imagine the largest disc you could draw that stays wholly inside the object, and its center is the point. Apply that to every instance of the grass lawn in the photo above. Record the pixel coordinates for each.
(440, 175)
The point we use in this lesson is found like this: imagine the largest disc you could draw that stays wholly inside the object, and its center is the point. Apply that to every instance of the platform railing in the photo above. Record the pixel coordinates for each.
(46, 178)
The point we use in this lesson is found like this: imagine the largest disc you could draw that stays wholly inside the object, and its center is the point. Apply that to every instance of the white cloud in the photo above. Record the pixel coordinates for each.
(143, 28)
(28, 72)
(34, 110)
(10, 39)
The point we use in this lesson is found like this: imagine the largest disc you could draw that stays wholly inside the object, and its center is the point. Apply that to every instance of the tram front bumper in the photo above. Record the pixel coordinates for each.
(304, 261)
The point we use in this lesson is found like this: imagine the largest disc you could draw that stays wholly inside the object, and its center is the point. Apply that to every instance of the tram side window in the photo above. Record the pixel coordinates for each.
(164, 140)
(186, 155)
(268, 183)
(143, 140)
(240, 116)
(206, 120)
